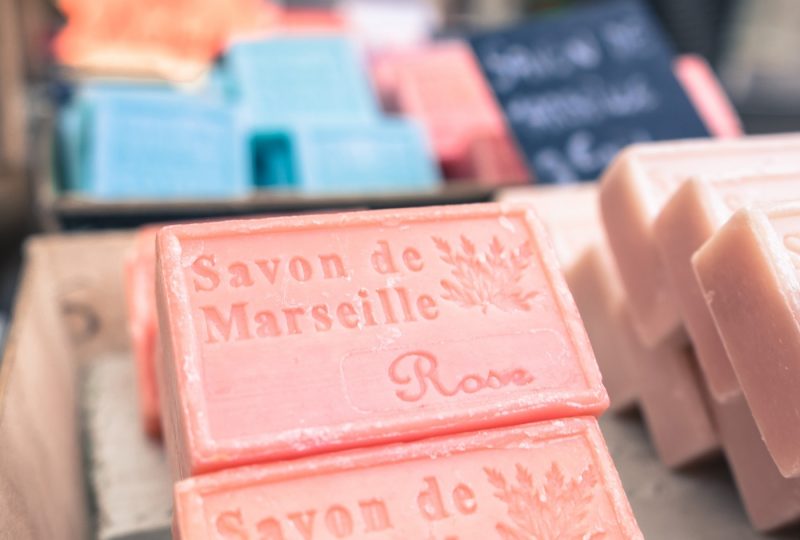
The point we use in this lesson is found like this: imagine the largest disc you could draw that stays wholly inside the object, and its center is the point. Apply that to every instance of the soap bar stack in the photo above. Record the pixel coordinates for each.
(292, 109)
(436, 351)
(708, 276)
(443, 87)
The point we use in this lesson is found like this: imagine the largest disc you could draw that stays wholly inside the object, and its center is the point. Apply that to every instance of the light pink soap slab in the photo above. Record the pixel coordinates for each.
(635, 188)
(771, 501)
(294, 336)
(551, 480)
(748, 272)
(698, 209)
(595, 285)
(674, 401)
(570, 213)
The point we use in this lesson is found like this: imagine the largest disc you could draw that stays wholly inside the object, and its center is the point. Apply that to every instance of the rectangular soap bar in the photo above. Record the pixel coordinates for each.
(594, 283)
(300, 335)
(140, 289)
(391, 155)
(749, 274)
(289, 78)
(674, 401)
(494, 160)
(546, 480)
(635, 188)
(158, 145)
(707, 95)
(571, 215)
(770, 500)
(437, 85)
(698, 209)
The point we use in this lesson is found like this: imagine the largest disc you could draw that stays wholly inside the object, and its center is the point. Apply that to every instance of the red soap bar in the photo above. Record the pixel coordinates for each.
(143, 322)
(443, 87)
(552, 480)
(707, 95)
(301, 335)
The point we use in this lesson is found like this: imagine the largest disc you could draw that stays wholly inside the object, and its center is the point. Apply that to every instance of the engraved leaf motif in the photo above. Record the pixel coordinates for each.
(486, 279)
(560, 509)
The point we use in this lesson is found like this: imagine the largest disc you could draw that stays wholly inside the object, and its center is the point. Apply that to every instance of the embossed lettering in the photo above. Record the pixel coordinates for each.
(267, 324)
(203, 266)
(430, 500)
(269, 268)
(218, 327)
(304, 523)
(338, 521)
(382, 259)
(347, 315)
(376, 516)
(300, 269)
(291, 319)
(322, 319)
(412, 259)
(240, 275)
(426, 306)
(464, 499)
(424, 373)
(332, 266)
(231, 525)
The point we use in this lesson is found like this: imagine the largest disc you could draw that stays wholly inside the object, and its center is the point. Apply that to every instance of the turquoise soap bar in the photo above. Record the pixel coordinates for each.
(153, 144)
(337, 158)
(285, 79)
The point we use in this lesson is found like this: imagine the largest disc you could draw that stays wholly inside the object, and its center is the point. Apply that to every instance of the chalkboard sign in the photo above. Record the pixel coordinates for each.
(578, 86)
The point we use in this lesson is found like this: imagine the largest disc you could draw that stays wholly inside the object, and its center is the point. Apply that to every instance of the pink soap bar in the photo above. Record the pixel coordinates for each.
(140, 291)
(771, 501)
(492, 160)
(570, 213)
(443, 87)
(749, 273)
(674, 402)
(551, 480)
(707, 95)
(301, 335)
(698, 209)
(595, 285)
(635, 188)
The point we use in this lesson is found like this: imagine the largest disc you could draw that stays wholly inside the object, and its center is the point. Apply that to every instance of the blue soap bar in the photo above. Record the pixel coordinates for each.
(333, 158)
(152, 144)
(286, 79)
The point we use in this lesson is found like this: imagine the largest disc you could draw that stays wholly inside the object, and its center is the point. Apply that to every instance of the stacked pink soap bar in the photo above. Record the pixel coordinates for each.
(294, 336)
(546, 480)
(443, 87)
(140, 267)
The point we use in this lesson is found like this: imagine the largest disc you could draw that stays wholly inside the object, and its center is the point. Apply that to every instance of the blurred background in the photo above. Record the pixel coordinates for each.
(751, 46)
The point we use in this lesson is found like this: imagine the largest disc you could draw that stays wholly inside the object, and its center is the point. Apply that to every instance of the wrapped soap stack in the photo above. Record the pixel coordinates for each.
(687, 289)
(422, 373)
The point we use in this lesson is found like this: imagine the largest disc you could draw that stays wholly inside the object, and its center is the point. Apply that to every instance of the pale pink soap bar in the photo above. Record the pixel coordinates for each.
(570, 213)
(688, 220)
(707, 96)
(771, 501)
(301, 335)
(749, 273)
(674, 401)
(551, 480)
(635, 188)
(595, 285)
(140, 270)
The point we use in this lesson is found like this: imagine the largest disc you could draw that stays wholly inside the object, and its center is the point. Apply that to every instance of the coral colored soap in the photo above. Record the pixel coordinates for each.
(547, 480)
(292, 336)
(140, 278)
